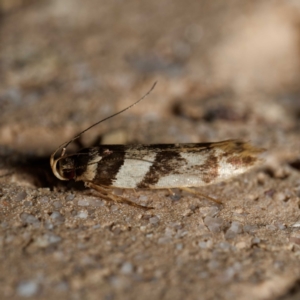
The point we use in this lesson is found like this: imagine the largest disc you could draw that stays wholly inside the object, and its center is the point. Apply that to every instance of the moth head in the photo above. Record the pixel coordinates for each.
(64, 166)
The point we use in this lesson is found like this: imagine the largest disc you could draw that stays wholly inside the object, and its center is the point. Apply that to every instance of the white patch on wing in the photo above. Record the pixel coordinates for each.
(185, 175)
(91, 170)
(134, 170)
(195, 159)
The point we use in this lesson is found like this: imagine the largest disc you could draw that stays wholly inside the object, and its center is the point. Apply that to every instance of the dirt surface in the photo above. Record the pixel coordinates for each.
(225, 69)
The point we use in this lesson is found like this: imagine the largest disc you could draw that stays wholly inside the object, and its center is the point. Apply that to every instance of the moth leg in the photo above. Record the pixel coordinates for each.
(107, 195)
(186, 189)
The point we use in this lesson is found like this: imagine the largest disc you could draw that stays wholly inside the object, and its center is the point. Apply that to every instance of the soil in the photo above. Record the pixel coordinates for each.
(224, 70)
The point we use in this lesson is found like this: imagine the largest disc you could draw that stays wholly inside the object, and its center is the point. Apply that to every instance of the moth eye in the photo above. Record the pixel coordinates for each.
(69, 174)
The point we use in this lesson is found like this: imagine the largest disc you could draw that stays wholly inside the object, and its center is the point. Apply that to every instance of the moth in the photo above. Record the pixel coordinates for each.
(153, 166)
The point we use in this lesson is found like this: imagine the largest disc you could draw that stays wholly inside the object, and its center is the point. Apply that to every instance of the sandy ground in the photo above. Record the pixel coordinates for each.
(224, 71)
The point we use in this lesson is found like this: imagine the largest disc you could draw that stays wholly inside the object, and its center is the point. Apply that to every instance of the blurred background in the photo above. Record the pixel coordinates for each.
(224, 70)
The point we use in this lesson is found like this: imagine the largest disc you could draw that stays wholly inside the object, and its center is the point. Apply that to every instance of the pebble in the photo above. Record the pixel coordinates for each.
(154, 220)
(224, 245)
(211, 211)
(20, 196)
(49, 225)
(57, 217)
(114, 208)
(83, 202)
(44, 199)
(82, 214)
(97, 202)
(57, 204)
(236, 227)
(27, 288)
(250, 228)
(163, 240)
(214, 224)
(205, 244)
(70, 197)
(271, 227)
(234, 230)
(179, 246)
(213, 265)
(127, 268)
(176, 196)
(255, 241)
(29, 219)
(181, 233)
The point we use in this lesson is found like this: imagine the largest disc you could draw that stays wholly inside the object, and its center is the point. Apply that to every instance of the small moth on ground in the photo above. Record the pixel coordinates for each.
(156, 166)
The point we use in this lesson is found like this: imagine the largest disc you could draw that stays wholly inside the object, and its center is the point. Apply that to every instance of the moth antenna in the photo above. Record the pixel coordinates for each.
(115, 114)
(64, 146)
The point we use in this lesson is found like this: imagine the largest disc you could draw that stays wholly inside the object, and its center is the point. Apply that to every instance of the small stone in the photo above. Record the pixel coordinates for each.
(213, 224)
(27, 288)
(97, 203)
(234, 229)
(57, 217)
(20, 196)
(175, 196)
(163, 240)
(179, 246)
(205, 244)
(250, 228)
(83, 202)
(70, 197)
(114, 208)
(127, 268)
(57, 204)
(82, 214)
(280, 226)
(225, 246)
(154, 220)
(255, 241)
(271, 227)
(211, 211)
(49, 225)
(181, 233)
(44, 199)
(29, 219)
